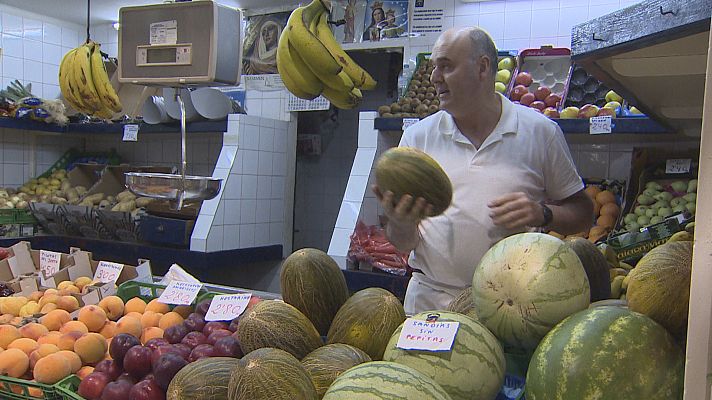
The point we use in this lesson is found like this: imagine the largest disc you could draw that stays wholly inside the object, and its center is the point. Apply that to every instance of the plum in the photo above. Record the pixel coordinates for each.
(166, 367)
(120, 344)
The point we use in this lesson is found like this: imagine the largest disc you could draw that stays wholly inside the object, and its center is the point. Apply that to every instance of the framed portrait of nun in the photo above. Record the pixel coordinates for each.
(262, 34)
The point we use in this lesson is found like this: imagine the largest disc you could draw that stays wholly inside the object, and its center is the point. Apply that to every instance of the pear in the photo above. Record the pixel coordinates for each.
(679, 186)
(656, 220)
(503, 75)
(506, 63)
(678, 201)
(651, 212)
(630, 218)
(613, 96)
(653, 185)
(691, 207)
(500, 87)
(690, 197)
(651, 192)
(640, 210)
(660, 204)
(632, 227)
(664, 196)
(665, 212)
(643, 220)
(645, 200)
(692, 186)
(679, 208)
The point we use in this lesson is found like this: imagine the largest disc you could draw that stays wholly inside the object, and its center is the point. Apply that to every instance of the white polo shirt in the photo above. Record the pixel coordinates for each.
(526, 152)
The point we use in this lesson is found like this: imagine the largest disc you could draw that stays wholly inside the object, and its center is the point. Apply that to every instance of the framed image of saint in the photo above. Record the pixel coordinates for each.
(262, 34)
(385, 20)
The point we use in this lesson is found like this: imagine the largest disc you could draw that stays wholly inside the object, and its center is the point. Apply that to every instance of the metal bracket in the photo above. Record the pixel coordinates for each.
(667, 12)
(599, 37)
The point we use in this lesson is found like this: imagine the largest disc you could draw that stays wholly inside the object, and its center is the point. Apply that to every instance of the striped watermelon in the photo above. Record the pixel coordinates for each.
(473, 369)
(383, 380)
(525, 284)
(326, 363)
(606, 353)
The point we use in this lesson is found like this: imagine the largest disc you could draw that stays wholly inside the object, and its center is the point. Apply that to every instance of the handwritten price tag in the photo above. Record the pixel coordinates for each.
(49, 262)
(407, 122)
(108, 272)
(130, 133)
(599, 125)
(677, 166)
(226, 307)
(428, 336)
(180, 293)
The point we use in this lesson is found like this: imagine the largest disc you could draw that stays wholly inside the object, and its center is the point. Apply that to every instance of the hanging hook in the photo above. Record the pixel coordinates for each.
(88, 20)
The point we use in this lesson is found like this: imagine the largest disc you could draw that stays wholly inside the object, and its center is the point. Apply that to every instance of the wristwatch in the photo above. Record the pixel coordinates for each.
(548, 214)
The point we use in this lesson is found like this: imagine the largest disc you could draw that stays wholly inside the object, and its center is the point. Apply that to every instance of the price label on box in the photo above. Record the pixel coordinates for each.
(678, 166)
(108, 272)
(180, 293)
(407, 122)
(428, 336)
(600, 125)
(226, 307)
(49, 264)
(130, 133)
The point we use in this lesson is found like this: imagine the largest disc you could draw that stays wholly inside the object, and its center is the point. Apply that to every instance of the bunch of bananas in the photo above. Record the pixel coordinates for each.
(85, 83)
(311, 62)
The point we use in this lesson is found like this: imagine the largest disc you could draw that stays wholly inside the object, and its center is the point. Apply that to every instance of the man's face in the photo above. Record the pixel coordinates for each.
(459, 78)
(269, 35)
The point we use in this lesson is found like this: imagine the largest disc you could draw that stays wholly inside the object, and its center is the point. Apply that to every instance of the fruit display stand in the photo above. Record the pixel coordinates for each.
(661, 66)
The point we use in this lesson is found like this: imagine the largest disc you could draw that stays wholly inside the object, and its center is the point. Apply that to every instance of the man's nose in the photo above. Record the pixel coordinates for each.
(435, 76)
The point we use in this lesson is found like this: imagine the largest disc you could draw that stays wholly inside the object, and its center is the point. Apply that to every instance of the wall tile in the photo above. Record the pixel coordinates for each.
(232, 211)
(598, 10)
(50, 73)
(11, 24)
(51, 53)
(464, 21)
(545, 23)
(262, 214)
(570, 16)
(348, 214)
(264, 187)
(33, 71)
(278, 187)
(231, 237)
(12, 45)
(51, 91)
(249, 186)
(544, 4)
(462, 8)
(276, 210)
(250, 161)
(492, 7)
(262, 235)
(276, 233)
(51, 33)
(70, 37)
(266, 139)
(264, 165)
(515, 44)
(279, 164)
(32, 29)
(248, 211)
(518, 5)
(12, 68)
(493, 24)
(247, 235)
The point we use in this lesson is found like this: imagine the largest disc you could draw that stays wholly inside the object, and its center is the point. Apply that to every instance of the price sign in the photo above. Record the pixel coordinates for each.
(130, 133)
(677, 166)
(226, 307)
(180, 293)
(599, 125)
(49, 263)
(108, 272)
(407, 122)
(428, 336)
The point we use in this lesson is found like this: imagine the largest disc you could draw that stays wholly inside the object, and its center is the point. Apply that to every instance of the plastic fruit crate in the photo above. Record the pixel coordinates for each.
(21, 389)
(67, 388)
(150, 291)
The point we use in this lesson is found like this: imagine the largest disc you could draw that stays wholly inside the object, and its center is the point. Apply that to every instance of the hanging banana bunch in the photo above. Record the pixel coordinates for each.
(85, 83)
(311, 62)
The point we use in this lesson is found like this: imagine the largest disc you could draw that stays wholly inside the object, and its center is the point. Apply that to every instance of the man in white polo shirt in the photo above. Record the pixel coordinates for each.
(504, 161)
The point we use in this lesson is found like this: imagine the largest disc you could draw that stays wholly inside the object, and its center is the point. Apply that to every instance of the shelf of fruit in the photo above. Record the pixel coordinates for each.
(110, 128)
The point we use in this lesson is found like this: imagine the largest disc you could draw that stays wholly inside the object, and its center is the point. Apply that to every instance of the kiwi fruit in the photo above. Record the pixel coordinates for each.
(384, 109)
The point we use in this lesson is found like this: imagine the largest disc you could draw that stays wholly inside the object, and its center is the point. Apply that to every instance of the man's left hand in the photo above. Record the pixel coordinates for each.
(516, 211)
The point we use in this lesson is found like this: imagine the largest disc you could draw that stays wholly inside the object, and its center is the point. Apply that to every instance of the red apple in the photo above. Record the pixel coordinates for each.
(138, 361)
(606, 111)
(551, 112)
(588, 111)
(518, 92)
(147, 389)
(92, 386)
(542, 92)
(118, 390)
(527, 99)
(524, 78)
(538, 105)
(552, 100)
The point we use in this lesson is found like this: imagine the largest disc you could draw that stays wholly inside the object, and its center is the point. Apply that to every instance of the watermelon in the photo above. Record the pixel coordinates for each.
(463, 304)
(595, 265)
(606, 353)
(326, 363)
(472, 369)
(313, 283)
(525, 284)
(273, 323)
(383, 380)
(659, 286)
(205, 379)
(367, 321)
(270, 374)
(406, 170)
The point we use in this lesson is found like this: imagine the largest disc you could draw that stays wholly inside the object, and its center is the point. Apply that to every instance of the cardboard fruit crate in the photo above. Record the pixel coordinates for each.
(548, 66)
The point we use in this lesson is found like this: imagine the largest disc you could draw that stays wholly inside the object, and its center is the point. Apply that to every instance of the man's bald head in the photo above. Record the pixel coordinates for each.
(481, 43)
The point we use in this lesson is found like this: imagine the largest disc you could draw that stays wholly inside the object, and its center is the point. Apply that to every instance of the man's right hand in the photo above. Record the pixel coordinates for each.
(407, 211)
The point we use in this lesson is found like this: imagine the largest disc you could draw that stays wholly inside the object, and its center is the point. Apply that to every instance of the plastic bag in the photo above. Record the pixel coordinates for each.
(370, 245)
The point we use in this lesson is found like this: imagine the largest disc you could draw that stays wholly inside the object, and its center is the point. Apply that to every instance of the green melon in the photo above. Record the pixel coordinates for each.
(659, 286)
(273, 323)
(463, 304)
(472, 369)
(406, 170)
(205, 379)
(383, 380)
(326, 363)
(367, 321)
(270, 374)
(595, 265)
(525, 284)
(606, 353)
(313, 283)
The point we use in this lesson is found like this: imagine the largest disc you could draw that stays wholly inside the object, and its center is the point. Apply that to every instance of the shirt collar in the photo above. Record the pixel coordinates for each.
(508, 124)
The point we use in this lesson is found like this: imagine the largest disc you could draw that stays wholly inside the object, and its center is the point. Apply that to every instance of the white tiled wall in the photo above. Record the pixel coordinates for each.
(32, 48)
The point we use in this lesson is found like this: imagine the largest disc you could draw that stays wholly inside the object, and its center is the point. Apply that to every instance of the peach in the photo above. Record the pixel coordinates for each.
(151, 333)
(67, 340)
(109, 330)
(12, 305)
(135, 305)
(54, 319)
(170, 319)
(29, 309)
(25, 344)
(84, 372)
(113, 306)
(94, 317)
(74, 326)
(184, 311)
(50, 338)
(70, 290)
(50, 291)
(8, 334)
(81, 282)
(43, 351)
(6, 318)
(14, 363)
(48, 298)
(68, 303)
(16, 322)
(150, 318)
(101, 339)
(133, 314)
(33, 330)
(63, 285)
(47, 308)
(36, 296)
(156, 306)
(90, 349)
(51, 369)
(130, 325)
(75, 362)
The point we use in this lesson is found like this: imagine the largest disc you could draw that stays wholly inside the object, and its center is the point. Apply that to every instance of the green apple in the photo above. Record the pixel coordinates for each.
(640, 210)
(651, 212)
(690, 197)
(643, 220)
(692, 186)
(506, 63)
(569, 113)
(645, 200)
(678, 201)
(613, 96)
(679, 186)
(632, 227)
(665, 212)
(679, 208)
(691, 207)
(503, 75)
(630, 218)
(500, 87)
(656, 220)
